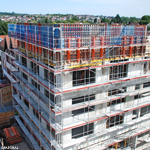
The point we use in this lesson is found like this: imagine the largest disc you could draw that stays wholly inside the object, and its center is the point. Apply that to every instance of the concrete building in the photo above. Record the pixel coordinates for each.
(81, 86)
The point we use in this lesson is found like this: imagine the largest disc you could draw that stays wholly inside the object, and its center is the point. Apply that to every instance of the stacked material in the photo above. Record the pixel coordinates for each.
(12, 135)
(6, 95)
(5, 114)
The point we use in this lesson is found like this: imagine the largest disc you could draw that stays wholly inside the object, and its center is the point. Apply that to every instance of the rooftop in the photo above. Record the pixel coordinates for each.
(4, 82)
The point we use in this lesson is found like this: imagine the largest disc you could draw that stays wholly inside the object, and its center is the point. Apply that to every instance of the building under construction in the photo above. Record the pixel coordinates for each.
(80, 86)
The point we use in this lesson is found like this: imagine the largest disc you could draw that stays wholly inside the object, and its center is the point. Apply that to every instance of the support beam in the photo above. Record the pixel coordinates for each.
(68, 52)
(93, 41)
(93, 54)
(101, 50)
(130, 49)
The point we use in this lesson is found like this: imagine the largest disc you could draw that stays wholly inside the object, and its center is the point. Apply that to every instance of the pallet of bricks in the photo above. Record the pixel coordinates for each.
(12, 135)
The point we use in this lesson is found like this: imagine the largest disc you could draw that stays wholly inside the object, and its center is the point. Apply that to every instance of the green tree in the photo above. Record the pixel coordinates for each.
(34, 22)
(125, 20)
(116, 19)
(105, 20)
(75, 18)
(134, 20)
(65, 21)
(46, 20)
(146, 17)
(72, 21)
(95, 20)
(58, 21)
(3, 28)
(89, 22)
(50, 21)
(145, 20)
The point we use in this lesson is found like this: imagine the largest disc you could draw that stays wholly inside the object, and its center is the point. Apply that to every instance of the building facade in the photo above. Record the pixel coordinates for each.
(80, 86)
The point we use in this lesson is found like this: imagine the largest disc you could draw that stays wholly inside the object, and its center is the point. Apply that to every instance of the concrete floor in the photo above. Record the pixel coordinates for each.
(22, 145)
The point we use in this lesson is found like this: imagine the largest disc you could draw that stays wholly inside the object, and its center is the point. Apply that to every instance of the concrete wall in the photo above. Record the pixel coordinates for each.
(41, 71)
(135, 70)
(102, 74)
(67, 80)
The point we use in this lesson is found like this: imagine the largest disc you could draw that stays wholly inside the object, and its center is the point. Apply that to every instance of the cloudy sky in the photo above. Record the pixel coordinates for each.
(129, 8)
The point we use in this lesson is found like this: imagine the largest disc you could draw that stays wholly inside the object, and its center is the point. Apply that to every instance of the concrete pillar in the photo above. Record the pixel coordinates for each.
(30, 108)
(127, 116)
(133, 142)
(130, 99)
(67, 80)
(19, 58)
(29, 79)
(101, 96)
(28, 64)
(130, 88)
(43, 121)
(58, 80)
(42, 88)
(41, 71)
(134, 70)
(67, 117)
(67, 136)
(139, 112)
(100, 126)
(102, 75)
(101, 108)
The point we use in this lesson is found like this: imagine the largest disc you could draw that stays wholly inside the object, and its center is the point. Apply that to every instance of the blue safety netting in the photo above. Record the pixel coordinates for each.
(50, 36)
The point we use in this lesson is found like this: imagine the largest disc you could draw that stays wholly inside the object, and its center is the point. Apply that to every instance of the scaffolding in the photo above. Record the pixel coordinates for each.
(75, 83)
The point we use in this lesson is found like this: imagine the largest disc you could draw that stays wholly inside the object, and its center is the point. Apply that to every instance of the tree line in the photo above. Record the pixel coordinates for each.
(117, 19)
(73, 19)
(127, 20)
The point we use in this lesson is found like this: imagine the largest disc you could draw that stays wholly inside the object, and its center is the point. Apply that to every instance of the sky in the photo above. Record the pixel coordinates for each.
(128, 8)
